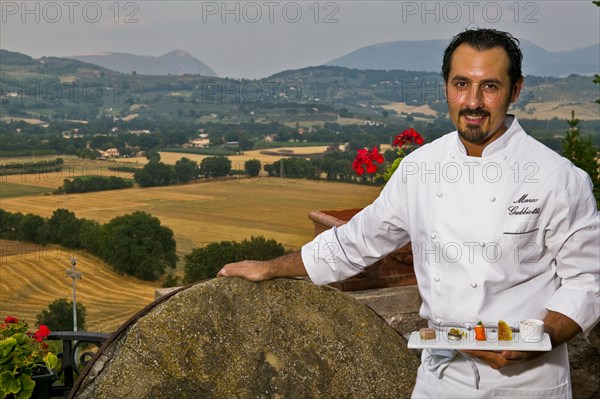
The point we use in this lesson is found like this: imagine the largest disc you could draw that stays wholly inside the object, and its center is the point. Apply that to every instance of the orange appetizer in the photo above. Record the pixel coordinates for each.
(479, 331)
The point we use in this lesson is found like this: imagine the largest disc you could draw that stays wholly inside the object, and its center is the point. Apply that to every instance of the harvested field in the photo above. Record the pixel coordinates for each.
(32, 277)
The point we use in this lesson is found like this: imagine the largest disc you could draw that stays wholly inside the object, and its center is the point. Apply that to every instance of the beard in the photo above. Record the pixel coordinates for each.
(474, 134)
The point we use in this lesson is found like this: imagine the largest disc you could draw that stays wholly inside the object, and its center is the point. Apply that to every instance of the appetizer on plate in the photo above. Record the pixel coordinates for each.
(479, 331)
(455, 334)
(504, 331)
(427, 333)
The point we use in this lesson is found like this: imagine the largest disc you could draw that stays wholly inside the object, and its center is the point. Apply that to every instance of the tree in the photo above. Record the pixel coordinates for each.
(295, 168)
(155, 174)
(215, 166)
(205, 262)
(582, 153)
(596, 76)
(89, 235)
(152, 156)
(137, 245)
(64, 228)
(10, 224)
(59, 316)
(252, 167)
(244, 142)
(186, 170)
(34, 229)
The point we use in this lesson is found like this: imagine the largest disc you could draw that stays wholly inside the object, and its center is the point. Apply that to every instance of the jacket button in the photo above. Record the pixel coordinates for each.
(439, 194)
(474, 284)
(433, 236)
(437, 278)
(481, 244)
(451, 155)
(492, 198)
(504, 157)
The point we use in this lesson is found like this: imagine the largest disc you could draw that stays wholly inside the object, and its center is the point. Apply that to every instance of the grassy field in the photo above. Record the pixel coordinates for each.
(10, 190)
(32, 277)
(198, 213)
(205, 212)
(237, 161)
(74, 166)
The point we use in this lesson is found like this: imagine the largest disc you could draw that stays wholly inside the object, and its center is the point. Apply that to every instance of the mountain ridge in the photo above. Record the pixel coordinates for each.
(408, 55)
(176, 62)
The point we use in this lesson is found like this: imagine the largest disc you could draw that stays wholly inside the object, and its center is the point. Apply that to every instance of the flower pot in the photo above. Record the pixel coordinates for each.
(394, 270)
(43, 378)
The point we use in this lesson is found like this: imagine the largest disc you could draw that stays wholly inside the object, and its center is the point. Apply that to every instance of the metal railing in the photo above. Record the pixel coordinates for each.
(78, 348)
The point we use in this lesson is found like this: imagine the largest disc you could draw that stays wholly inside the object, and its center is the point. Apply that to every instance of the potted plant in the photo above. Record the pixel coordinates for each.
(25, 362)
(397, 268)
(405, 142)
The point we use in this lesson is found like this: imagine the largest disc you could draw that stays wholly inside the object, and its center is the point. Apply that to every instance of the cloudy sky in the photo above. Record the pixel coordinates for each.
(254, 39)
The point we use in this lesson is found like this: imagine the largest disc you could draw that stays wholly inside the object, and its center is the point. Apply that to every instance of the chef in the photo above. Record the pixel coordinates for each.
(501, 228)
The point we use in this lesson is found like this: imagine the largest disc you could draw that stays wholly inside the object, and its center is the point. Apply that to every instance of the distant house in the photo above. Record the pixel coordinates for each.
(144, 131)
(110, 153)
(200, 142)
(71, 134)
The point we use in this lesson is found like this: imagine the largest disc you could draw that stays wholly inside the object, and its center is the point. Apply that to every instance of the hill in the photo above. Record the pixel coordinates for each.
(177, 62)
(34, 276)
(409, 55)
(55, 89)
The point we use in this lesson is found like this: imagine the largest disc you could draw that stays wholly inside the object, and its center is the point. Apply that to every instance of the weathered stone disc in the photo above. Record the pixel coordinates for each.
(231, 338)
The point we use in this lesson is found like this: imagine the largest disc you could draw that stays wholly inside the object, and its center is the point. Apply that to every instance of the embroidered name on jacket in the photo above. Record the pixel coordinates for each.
(524, 209)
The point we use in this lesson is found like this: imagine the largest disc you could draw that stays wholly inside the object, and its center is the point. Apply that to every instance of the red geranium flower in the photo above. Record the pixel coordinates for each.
(42, 333)
(363, 163)
(11, 320)
(404, 142)
(409, 136)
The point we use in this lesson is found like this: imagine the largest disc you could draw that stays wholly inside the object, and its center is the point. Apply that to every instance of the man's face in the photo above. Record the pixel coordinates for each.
(479, 93)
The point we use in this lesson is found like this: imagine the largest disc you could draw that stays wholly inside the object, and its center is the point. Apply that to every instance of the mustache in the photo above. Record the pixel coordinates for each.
(473, 112)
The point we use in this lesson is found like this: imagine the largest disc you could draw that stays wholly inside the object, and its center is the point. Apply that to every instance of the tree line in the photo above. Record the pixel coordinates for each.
(157, 173)
(135, 244)
(16, 168)
(94, 183)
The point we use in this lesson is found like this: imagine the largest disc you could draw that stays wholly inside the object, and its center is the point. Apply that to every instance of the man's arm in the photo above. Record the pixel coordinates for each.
(559, 327)
(289, 265)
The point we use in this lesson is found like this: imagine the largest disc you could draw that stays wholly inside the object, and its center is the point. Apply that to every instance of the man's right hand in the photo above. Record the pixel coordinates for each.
(248, 269)
(289, 265)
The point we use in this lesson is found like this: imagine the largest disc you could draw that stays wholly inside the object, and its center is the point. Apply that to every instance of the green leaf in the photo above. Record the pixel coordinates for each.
(22, 339)
(51, 360)
(9, 383)
(28, 384)
(6, 347)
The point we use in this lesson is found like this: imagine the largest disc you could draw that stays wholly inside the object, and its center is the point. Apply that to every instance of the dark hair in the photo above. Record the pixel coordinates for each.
(486, 39)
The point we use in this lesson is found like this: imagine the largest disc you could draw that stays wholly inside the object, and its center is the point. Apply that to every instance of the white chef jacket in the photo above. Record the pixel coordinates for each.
(508, 235)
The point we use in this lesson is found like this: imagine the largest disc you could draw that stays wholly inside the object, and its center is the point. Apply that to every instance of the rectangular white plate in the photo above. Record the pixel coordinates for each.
(441, 341)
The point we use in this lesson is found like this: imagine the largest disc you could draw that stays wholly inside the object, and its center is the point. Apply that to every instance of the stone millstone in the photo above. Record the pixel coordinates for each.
(231, 338)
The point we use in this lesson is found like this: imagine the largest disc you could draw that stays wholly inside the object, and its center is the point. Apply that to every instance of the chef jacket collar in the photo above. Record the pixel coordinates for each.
(499, 145)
